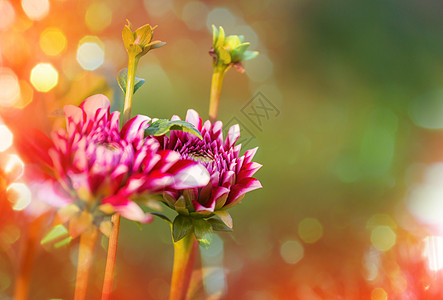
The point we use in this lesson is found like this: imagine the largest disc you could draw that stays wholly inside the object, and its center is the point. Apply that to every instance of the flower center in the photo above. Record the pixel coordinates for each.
(201, 156)
(109, 146)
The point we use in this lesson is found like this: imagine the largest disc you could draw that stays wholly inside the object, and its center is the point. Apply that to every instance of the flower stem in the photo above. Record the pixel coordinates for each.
(216, 87)
(27, 255)
(184, 257)
(85, 252)
(112, 256)
(132, 67)
(113, 239)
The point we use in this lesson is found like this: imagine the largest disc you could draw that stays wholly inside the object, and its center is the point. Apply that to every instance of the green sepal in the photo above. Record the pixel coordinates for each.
(56, 233)
(181, 227)
(225, 217)
(127, 36)
(163, 126)
(218, 225)
(232, 42)
(220, 38)
(224, 56)
(237, 52)
(122, 79)
(214, 34)
(162, 216)
(248, 55)
(63, 242)
(203, 232)
(143, 35)
(180, 206)
(156, 44)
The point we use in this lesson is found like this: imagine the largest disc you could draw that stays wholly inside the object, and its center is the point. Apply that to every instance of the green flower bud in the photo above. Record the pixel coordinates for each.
(139, 42)
(229, 50)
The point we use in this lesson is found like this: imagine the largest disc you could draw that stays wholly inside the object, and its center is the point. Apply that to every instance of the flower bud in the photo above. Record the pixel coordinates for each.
(139, 42)
(230, 50)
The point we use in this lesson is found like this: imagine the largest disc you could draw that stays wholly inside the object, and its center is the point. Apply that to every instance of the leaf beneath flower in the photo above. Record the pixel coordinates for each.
(56, 233)
(225, 217)
(122, 79)
(63, 242)
(181, 227)
(163, 126)
(203, 232)
(218, 225)
(162, 216)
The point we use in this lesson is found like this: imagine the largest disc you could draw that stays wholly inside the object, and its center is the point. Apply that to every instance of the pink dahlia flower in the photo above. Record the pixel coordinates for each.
(231, 174)
(102, 169)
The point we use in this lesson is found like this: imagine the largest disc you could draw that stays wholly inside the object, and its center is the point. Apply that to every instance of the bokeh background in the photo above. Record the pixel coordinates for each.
(345, 103)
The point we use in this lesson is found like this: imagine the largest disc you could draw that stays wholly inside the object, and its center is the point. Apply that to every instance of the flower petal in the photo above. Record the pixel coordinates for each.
(52, 193)
(94, 103)
(133, 128)
(189, 174)
(233, 135)
(193, 118)
(241, 188)
(128, 209)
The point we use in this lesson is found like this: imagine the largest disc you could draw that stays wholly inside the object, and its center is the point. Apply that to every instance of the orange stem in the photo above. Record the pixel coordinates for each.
(184, 258)
(111, 259)
(88, 240)
(27, 256)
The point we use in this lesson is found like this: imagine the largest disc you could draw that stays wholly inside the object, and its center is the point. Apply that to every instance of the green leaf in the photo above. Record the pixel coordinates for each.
(162, 216)
(224, 56)
(122, 79)
(214, 35)
(225, 217)
(180, 206)
(218, 225)
(57, 232)
(203, 232)
(237, 53)
(163, 126)
(232, 42)
(156, 44)
(128, 37)
(248, 55)
(143, 35)
(181, 227)
(63, 242)
(220, 38)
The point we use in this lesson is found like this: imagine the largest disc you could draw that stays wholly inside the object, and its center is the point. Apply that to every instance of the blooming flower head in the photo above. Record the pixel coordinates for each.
(102, 169)
(231, 174)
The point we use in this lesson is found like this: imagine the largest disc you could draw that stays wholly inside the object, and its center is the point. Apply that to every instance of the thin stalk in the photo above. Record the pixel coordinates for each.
(88, 240)
(27, 256)
(184, 257)
(111, 259)
(216, 87)
(113, 239)
(132, 67)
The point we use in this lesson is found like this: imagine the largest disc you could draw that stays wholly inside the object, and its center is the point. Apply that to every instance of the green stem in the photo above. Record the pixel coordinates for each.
(184, 257)
(113, 239)
(216, 87)
(85, 253)
(132, 67)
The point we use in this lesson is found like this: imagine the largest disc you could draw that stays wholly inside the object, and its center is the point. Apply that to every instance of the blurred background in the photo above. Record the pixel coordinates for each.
(345, 102)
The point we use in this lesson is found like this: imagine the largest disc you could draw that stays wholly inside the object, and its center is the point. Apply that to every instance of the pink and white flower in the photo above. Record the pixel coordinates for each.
(102, 169)
(231, 173)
